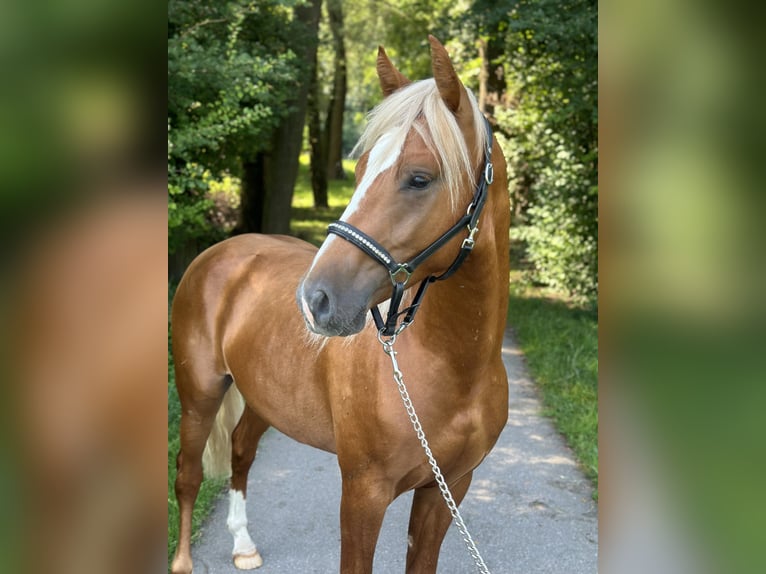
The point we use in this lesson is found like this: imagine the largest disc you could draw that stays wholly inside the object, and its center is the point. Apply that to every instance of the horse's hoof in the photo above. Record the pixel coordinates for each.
(248, 561)
(182, 565)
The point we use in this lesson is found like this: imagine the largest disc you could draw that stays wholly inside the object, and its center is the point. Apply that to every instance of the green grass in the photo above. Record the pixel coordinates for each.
(560, 343)
(308, 222)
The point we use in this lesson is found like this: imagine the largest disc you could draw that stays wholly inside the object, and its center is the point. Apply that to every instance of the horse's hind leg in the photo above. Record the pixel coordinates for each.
(199, 404)
(244, 441)
(429, 520)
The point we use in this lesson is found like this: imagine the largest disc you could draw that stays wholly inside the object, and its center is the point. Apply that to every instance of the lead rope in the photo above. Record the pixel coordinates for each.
(388, 348)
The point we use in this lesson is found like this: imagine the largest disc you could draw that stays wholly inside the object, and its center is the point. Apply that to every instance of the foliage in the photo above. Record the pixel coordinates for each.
(229, 72)
(549, 118)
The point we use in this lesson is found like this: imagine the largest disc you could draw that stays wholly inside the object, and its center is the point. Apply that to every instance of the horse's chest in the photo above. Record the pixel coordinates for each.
(452, 428)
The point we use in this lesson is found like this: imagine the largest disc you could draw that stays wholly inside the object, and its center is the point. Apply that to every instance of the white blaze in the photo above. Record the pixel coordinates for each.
(383, 155)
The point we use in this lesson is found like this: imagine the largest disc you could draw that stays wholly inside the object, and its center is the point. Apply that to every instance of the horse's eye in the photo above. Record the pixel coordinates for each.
(418, 182)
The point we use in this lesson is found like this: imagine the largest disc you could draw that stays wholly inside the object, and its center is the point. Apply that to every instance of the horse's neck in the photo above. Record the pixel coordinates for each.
(467, 312)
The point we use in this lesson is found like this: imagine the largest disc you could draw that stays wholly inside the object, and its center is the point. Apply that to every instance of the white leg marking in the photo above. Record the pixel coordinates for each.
(245, 553)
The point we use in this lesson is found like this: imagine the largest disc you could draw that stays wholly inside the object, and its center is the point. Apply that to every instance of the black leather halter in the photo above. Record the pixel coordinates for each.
(400, 272)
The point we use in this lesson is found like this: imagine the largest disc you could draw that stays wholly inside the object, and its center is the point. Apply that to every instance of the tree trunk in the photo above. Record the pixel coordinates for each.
(253, 187)
(483, 75)
(316, 142)
(334, 122)
(267, 199)
(491, 76)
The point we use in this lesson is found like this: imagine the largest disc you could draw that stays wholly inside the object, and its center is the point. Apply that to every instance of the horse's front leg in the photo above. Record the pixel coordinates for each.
(429, 520)
(363, 504)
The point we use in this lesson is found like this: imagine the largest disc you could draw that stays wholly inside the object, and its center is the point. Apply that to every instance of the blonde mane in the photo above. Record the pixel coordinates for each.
(396, 115)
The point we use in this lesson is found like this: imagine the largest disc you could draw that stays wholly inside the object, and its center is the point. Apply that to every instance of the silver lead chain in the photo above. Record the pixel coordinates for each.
(388, 348)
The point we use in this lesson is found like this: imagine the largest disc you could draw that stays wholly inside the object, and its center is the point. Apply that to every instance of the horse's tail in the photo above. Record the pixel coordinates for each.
(216, 460)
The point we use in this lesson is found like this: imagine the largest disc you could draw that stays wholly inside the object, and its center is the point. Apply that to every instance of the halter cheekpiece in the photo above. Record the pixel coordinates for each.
(400, 272)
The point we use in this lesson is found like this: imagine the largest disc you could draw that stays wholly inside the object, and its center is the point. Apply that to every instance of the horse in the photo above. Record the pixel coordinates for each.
(283, 328)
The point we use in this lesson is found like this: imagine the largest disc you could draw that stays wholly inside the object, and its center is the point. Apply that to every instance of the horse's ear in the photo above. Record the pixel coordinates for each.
(446, 78)
(391, 79)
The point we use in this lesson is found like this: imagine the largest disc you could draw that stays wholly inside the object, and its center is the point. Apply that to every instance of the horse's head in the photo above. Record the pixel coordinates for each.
(421, 155)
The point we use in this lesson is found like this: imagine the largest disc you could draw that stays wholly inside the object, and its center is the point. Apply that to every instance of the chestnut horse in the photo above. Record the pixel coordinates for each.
(316, 370)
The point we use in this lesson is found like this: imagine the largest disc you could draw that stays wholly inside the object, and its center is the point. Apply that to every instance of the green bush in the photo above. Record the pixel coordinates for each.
(560, 226)
(549, 117)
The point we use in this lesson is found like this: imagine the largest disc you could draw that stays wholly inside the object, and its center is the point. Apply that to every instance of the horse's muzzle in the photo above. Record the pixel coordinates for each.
(325, 315)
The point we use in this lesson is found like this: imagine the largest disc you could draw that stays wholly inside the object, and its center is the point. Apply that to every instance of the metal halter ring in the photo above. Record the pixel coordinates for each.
(401, 269)
(489, 173)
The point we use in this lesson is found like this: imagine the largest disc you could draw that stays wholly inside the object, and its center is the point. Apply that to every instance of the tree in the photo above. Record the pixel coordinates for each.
(334, 125)
(492, 74)
(270, 175)
(317, 140)
(326, 138)
(226, 87)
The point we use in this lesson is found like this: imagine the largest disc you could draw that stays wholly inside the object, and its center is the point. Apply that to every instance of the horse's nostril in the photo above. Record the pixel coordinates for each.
(319, 304)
